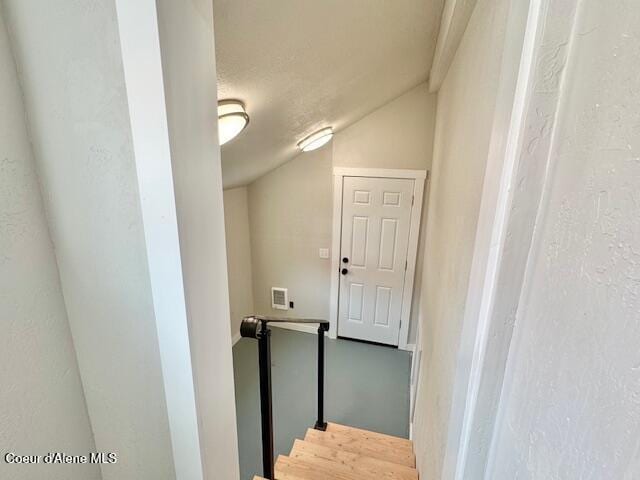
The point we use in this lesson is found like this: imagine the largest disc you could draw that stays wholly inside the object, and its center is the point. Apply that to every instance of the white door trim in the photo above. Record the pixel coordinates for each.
(418, 191)
(379, 172)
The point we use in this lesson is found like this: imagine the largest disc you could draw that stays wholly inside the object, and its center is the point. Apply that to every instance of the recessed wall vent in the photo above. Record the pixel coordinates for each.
(279, 298)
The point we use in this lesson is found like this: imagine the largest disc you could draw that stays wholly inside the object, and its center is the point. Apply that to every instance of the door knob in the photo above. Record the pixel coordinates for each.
(344, 271)
(345, 260)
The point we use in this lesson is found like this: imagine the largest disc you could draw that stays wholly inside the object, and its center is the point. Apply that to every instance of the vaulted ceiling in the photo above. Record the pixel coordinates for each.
(299, 65)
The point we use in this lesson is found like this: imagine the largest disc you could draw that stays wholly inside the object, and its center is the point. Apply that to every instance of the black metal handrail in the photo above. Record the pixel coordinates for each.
(256, 326)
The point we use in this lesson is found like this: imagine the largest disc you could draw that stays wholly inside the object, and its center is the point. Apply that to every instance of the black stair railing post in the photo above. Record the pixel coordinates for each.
(320, 423)
(256, 326)
(266, 409)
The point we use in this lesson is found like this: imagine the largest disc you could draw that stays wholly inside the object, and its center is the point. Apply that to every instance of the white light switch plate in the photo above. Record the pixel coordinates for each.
(324, 253)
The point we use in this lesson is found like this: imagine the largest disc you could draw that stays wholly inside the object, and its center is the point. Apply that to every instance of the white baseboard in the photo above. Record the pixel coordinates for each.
(313, 328)
(235, 338)
(411, 347)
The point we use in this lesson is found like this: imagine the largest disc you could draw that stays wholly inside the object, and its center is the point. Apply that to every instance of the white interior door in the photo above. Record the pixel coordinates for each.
(376, 221)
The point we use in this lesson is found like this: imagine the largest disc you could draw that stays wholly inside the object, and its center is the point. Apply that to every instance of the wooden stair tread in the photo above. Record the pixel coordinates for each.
(347, 453)
(288, 468)
(328, 459)
(389, 440)
(357, 442)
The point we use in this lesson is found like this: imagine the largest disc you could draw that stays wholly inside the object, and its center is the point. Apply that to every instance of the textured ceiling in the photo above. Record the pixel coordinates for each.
(300, 65)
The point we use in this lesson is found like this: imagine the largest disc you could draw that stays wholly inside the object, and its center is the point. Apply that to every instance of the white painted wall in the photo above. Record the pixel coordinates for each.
(71, 65)
(189, 67)
(569, 407)
(178, 182)
(236, 224)
(453, 23)
(487, 315)
(42, 405)
(131, 169)
(290, 212)
(397, 135)
(466, 103)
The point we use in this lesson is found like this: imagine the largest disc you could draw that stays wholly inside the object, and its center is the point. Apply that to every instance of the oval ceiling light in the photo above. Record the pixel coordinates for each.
(232, 119)
(316, 140)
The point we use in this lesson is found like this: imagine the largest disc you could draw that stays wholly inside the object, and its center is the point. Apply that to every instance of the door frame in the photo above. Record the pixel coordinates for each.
(419, 177)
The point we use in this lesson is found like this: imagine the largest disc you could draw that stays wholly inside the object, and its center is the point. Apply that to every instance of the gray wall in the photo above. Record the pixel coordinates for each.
(570, 402)
(237, 231)
(290, 212)
(464, 119)
(42, 401)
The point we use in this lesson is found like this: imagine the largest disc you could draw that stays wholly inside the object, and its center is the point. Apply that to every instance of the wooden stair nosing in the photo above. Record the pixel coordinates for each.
(359, 445)
(370, 467)
(288, 468)
(396, 442)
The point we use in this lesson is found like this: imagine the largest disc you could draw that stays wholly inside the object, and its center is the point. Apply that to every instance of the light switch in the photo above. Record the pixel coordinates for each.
(324, 253)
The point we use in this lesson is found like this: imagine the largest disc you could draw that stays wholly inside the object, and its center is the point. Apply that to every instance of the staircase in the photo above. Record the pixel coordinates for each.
(346, 453)
(329, 451)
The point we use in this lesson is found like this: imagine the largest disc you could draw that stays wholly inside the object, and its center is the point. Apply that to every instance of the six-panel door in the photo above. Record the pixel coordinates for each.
(376, 219)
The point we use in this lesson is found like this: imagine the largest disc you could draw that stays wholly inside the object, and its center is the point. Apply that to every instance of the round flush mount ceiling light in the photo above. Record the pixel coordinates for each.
(232, 119)
(316, 140)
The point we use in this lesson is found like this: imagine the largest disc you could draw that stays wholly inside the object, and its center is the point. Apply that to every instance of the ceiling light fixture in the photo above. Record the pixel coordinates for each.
(316, 140)
(232, 119)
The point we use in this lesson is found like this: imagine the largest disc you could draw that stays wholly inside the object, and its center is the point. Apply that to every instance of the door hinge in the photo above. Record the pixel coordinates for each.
(406, 264)
(413, 198)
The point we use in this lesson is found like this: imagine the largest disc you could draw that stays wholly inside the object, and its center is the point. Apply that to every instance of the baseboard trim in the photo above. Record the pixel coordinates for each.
(411, 347)
(235, 338)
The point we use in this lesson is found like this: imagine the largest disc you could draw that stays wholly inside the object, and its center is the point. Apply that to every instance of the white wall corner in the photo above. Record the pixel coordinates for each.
(190, 292)
(187, 48)
(139, 41)
(551, 34)
(455, 17)
(503, 239)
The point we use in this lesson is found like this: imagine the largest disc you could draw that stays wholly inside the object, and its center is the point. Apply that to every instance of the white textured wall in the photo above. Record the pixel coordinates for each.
(236, 224)
(42, 405)
(189, 67)
(70, 62)
(397, 135)
(570, 404)
(464, 118)
(290, 211)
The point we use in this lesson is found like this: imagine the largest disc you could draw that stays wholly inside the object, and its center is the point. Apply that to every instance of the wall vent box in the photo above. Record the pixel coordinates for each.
(279, 298)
